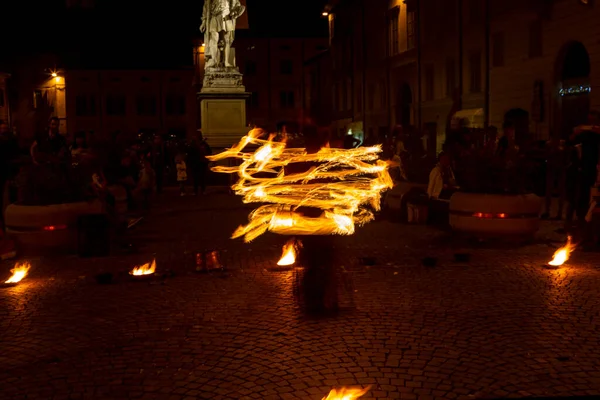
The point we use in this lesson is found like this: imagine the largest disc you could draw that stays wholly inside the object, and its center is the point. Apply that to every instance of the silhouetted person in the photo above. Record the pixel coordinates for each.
(350, 142)
(588, 137)
(9, 151)
(158, 161)
(198, 163)
(50, 147)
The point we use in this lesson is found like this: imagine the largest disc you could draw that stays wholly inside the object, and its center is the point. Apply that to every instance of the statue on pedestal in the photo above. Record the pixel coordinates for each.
(218, 25)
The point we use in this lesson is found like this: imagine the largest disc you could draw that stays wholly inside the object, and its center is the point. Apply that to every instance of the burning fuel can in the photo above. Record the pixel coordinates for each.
(208, 261)
(213, 261)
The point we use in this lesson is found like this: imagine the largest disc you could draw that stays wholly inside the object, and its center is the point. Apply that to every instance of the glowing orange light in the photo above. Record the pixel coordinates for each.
(18, 273)
(341, 184)
(562, 255)
(346, 394)
(54, 74)
(146, 269)
(290, 252)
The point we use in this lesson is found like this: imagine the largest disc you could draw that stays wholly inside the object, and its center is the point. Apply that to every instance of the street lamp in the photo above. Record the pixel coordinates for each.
(325, 13)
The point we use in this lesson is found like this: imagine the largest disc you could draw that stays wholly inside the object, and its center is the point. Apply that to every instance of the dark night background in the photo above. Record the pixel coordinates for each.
(143, 33)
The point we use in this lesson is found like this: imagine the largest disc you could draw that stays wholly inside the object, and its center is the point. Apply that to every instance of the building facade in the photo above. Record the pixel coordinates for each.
(274, 73)
(131, 102)
(427, 62)
(317, 102)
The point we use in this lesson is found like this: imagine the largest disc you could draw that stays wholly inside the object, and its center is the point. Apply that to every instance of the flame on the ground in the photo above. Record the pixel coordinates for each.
(290, 252)
(342, 183)
(18, 272)
(146, 269)
(346, 394)
(562, 255)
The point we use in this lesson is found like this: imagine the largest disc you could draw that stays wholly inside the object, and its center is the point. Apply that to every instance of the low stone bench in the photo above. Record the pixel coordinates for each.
(495, 215)
(51, 228)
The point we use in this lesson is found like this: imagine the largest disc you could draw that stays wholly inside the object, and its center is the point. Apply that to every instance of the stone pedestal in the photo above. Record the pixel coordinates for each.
(223, 107)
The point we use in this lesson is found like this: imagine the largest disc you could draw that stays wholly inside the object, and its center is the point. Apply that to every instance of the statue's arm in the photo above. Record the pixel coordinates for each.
(205, 10)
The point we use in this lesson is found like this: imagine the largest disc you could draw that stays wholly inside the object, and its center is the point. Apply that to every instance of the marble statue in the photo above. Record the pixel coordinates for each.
(218, 26)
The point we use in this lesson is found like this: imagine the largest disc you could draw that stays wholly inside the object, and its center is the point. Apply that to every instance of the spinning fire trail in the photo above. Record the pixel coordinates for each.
(315, 192)
(341, 183)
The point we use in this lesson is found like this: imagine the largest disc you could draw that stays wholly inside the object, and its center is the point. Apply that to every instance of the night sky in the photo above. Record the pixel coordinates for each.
(143, 33)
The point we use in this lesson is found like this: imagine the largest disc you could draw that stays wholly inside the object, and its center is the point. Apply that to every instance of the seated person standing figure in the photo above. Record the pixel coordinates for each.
(50, 147)
(442, 185)
(441, 179)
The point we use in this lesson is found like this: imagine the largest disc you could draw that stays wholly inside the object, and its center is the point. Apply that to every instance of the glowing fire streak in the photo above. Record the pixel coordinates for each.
(562, 255)
(18, 273)
(346, 394)
(342, 183)
(146, 269)
(290, 252)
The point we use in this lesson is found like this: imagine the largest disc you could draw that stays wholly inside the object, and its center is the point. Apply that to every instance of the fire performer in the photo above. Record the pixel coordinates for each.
(319, 283)
(314, 192)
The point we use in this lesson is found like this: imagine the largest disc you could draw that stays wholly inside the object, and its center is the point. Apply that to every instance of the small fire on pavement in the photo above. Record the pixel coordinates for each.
(18, 273)
(346, 394)
(146, 269)
(290, 253)
(562, 255)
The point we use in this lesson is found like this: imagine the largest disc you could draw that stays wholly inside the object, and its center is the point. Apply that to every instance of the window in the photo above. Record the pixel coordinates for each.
(475, 8)
(250, 68)
(475, 67)
(346, 100)
(411, 39)
(253, 100)
(286, 99)
(450, 77)
(286, 67)
(535, 39)
(146, 105)
(392, 23)
(85, 106)
(382, 94)
(336, 96)
(2, 99)
(38, 97)
(371, 98)
(498, 49)
(175, 104)
(115, 105)
(429, 83)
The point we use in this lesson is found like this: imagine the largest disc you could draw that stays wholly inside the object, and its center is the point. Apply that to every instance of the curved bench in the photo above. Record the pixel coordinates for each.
(49, 228)
(495, 214)
(395, 200)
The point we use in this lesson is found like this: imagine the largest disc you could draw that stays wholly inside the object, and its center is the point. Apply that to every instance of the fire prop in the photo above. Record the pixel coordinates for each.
(144, 270)
(346, 394)
(562, 255)
(18, 273)
(341, 184)
(290, 252)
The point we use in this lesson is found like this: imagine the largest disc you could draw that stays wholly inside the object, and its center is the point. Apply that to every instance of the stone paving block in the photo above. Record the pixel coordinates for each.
(495, 326)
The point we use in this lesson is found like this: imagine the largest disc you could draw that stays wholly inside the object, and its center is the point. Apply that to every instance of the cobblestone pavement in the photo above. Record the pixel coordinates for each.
(499, 326)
